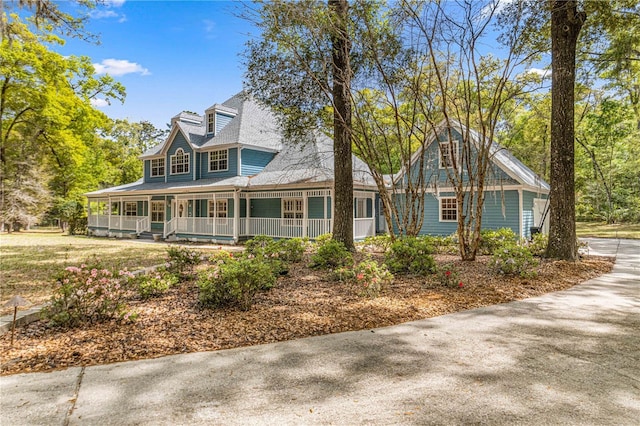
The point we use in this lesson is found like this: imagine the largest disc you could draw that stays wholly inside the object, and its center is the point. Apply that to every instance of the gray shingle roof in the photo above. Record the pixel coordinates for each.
(199, 185)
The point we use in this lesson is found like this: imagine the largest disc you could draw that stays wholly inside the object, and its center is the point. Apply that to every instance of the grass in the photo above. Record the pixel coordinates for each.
(603, 230)
(29, 260)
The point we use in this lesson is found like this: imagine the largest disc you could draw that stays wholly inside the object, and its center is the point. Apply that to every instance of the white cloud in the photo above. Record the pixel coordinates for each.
(98, 102)
(539, 71)
(114, 3)
(106, 12)
(102, 14)
(118, 67)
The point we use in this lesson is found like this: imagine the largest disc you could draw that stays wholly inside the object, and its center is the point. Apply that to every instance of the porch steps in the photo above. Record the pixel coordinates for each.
(145, 236)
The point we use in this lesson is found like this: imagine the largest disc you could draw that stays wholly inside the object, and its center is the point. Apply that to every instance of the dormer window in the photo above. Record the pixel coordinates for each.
(219, 160)
(210, 122)
(157, 167)
(180, 162)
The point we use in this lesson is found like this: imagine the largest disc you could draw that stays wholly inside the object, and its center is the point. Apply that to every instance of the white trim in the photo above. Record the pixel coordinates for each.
(440, 199)
(188, 162)
(164, 162)
(164, 211)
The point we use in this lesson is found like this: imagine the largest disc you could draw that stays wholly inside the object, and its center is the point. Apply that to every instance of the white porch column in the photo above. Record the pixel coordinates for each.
(236, 215)
(109, 213)
(305, 213)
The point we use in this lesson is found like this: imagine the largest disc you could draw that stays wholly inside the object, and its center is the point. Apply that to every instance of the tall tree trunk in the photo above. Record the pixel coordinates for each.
(566, 23)
(343, 168)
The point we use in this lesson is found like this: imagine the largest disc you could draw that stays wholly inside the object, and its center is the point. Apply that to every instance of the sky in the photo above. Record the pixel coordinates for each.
(170, 55)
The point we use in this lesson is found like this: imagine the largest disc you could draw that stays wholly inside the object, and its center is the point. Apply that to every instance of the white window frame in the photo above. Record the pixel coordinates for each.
(128, 210)
(159, 170)
(185, 163)
(361, 208)
(444, 146)
(218, 160)
(292, 211)
(211, 122)
(219, 209)
(157, 211)
(445, 205)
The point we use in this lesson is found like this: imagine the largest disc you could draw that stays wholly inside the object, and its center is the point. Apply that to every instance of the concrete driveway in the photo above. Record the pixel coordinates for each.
(571, 357)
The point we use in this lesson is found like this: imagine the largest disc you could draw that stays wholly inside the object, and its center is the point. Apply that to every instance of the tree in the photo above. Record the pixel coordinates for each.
(566, 22)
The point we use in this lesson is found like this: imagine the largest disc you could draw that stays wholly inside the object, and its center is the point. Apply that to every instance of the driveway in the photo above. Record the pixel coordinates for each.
(571, 357)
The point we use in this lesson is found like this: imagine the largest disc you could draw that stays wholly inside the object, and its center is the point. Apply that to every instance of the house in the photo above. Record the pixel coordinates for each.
(229, 175)
(515, 197)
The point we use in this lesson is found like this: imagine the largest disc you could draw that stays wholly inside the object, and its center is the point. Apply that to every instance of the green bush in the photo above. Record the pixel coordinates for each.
(411, 255)
(88, 294)
(182, 260)
(444, 244)
(234, 282)
(155, 283)
(331, 254)
(491, 240)
(514, 260)
(344, 274)
(448, 276)
(371, 277)
(538, 244)
(380, 243)
(323, 238)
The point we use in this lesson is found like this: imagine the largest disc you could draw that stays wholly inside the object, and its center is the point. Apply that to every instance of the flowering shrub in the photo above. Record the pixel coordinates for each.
(88, 294)
(286, 250)
(181, 260)
(234, 282)
(443, 244)
(492, 240)
(371, 277)
(155, 283)
(331, 254)
(514, 260)
(448, 276)
(377, 243)
(538, 244)
(344, 274)
(411, 255)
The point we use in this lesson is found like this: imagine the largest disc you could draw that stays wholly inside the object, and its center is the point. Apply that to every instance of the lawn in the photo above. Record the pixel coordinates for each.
(29, 260)
(603, 230)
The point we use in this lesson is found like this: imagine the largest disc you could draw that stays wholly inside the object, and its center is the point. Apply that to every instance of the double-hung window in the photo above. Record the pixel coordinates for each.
(448, 154)
(210, 122)
(448, 210)
(218, 208)
(292, 211)
(361, 208)
(157, 167)
(130, 208)
(157, 211)
(219, 160)
(180, 162)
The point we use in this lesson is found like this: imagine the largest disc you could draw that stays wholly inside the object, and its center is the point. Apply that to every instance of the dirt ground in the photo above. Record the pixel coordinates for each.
(304, 303)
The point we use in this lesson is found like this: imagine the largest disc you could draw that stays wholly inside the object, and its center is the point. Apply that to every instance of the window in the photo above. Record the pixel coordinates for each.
(157, 211)
(157, 167)
(361, 208)
(218, 208)
(131, 208)
(448, 210)
(292, 211)
(448, 153)
(218, 160)
(210, 122)
(180, 162)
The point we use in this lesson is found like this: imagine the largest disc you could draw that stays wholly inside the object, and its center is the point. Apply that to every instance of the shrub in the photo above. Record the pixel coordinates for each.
(291, 250)
(344, 274)
(491, 240)
(181, 260)
(379, 243)
(323, 238)
(234, 282)
(514, 260)
(331, 254)
(411, 255)
(155, 283)
(371, 277)
(538, 244)
(87, 295)
(444, 244)
(448, 276)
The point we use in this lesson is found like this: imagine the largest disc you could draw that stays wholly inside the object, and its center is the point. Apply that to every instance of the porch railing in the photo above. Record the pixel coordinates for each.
(364, 227)
(284, 228)
(205, 226)
(101, 221)
(143, 225)
(170, 227)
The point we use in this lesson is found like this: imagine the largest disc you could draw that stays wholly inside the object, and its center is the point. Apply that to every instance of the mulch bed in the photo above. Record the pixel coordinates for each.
(304, 303)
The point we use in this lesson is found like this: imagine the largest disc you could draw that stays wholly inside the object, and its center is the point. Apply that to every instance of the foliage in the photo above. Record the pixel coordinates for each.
(371, 277)
(344, 273)
(155, 283)
(331, 254)
(412, 255)
(538, 244)
(449, 276)
(443, 244)
(286, 250)
(491, 240)
(380, 243)
(182, 260)
(514, 260)
(88, 294)
(234, 282)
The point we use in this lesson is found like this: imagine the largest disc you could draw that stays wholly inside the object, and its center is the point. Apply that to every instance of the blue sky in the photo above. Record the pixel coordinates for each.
(170, 55)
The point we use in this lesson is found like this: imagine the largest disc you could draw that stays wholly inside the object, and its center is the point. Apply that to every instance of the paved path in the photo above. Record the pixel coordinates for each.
(571, 357)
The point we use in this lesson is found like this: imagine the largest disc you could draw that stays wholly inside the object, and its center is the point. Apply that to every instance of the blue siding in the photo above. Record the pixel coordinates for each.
(232, 160)
(493, 214)
(221, 121)
(180, 142)
(254, 161)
